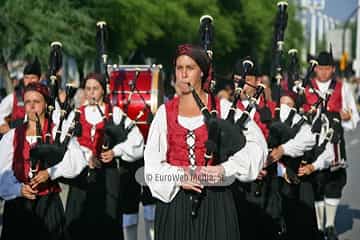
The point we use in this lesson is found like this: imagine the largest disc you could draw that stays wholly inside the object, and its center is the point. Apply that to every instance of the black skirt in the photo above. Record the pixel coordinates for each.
(132, 193)
(216, 217)
(258, 206)
(42, 218)
(93, 210)
(299, 210)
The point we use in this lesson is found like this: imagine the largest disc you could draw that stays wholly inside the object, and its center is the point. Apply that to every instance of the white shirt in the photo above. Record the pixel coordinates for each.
(348, 103)
(6, 107)
(130, 150)
(73, 163)
(245, 165)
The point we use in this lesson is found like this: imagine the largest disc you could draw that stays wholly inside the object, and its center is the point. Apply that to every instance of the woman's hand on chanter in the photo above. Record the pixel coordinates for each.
(28, 192)
(190, 182)
(213, 174)
(41, 177)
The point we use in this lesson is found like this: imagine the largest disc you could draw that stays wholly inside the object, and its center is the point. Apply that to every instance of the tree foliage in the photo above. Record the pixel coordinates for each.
(154, 26)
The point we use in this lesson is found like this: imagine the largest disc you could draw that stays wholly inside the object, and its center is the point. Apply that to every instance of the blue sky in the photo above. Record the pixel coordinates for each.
(339, 9)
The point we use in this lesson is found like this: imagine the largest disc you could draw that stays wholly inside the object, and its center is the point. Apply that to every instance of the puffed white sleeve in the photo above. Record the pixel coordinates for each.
(10, 187)
(74, 160)
(133, 147)
(155, 160)
(303, 141)
(246, 164)
(56, 114)
(6, 106)
(349, 104)
(325, 158)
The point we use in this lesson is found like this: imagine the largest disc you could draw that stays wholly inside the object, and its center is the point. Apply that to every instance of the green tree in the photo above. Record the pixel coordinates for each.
(241, 28)
(28, 28)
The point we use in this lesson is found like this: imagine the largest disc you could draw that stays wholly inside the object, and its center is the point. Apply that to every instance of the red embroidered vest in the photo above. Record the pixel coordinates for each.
(335, 100)
(21, 161)
(177, 152)
(95, 143)
(271, 105)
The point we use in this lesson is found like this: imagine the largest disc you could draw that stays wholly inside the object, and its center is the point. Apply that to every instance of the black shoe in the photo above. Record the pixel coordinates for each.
(321, 235)
(330, 233)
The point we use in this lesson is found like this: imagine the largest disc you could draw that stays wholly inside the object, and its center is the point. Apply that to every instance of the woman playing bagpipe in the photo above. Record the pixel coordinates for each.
(295, 168)
(178, 146)
(295, 187)
(281, 132)
(289, 197)
(251, 197)
(339, 109)
(30, 164)
(93, 202)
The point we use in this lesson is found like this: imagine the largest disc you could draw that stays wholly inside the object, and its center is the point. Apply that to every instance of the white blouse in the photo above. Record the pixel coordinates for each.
(130, 150)
(304, 139)
(245, 165)
(73, 163)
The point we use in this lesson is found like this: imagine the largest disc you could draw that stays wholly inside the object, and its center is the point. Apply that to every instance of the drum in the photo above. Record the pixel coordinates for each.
(136, 88)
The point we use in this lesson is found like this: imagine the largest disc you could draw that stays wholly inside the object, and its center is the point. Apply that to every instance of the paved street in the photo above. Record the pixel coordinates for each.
(348, 217)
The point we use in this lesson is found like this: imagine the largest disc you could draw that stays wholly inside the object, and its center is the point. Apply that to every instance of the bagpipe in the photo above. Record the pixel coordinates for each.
(321, 121)
(224, 140)
(206, 33)
(279, 132)
(316, 116)
(113, 133)
(225, 136)
(66, 106)
(259, 90)
(48, 153)
(247, 65)
(136, 89)
(328, 124)
(278, 46)
(33, 158)
(282, 131)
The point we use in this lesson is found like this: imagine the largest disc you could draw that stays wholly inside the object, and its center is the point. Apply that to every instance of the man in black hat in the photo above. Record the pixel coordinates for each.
(13, 105)
(339, 107)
